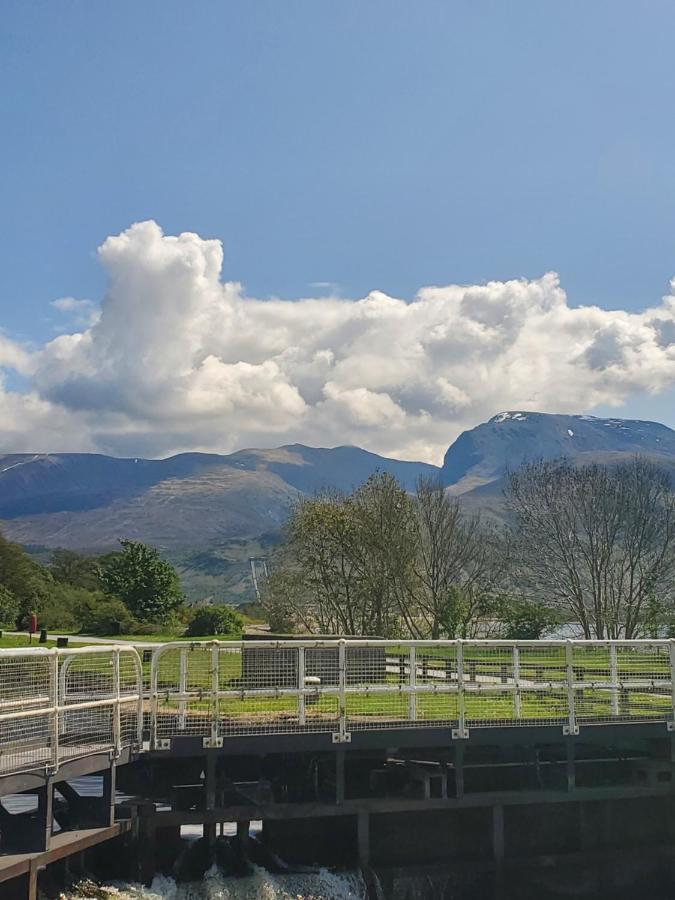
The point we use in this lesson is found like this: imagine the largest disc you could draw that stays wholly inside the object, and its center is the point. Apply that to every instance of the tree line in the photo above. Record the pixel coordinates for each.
(590, 545)
(129, 591)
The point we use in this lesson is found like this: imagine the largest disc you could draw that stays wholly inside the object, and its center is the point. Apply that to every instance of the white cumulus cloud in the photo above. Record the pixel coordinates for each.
(177, 359)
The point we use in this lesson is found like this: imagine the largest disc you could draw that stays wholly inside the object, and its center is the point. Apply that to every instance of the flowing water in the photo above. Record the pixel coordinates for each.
(260, 885)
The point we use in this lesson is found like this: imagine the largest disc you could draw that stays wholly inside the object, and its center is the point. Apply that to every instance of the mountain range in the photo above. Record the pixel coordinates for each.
(210, 512)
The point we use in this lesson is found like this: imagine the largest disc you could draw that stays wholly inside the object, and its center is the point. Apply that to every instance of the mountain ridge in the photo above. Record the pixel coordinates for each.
(88, 501)
(483, 454)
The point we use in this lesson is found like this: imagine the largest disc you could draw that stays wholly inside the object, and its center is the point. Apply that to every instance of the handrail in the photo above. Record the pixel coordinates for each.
(214, 689)
(45, 723)
(59, 703)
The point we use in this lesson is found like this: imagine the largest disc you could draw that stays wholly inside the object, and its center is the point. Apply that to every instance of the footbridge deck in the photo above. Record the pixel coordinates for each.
(64, 704)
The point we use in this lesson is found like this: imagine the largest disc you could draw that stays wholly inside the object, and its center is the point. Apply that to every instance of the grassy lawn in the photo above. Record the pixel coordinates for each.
(15, 640)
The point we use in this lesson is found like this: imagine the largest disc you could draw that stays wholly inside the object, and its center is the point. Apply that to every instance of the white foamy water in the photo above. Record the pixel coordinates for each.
(260, 885)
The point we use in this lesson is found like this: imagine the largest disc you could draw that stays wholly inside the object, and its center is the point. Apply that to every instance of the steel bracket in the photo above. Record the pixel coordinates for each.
(210, 743)
(342, 737)
(163, 744)
(670, 726)
(460, 734)
(569, 730)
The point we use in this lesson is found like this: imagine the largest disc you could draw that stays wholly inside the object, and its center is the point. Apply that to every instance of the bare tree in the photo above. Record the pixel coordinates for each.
(458, 562)
(596, 542)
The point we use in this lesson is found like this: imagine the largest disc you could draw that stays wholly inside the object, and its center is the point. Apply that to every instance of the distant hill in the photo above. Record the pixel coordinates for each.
(209, 513)
(194, 500)
(481, 456)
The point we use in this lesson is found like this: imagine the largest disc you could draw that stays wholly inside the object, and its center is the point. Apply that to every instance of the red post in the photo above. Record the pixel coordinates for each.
(32, 628)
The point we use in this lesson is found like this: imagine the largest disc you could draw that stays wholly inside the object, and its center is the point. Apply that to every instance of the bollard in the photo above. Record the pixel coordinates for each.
(62, 642)
(43, 636)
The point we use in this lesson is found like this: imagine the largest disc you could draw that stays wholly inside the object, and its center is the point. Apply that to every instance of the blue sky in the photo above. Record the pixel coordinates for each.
(366, 145)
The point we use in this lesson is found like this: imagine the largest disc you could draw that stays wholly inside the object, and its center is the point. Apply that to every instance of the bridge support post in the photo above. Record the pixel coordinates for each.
(242, 837)
(45, 816)
(108, 798)
(498, 848)
(32, 886)
(339, 777)
(210, 830)
(459, 770)
(363, 838)
(571, 767)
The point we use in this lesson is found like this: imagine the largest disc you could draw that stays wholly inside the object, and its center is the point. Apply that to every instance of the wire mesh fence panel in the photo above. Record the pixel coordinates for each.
(25, 681)
(27, 694)
(319, 677)
(436, 677)
(86, 730)
(645, 681)
(377, 686)
(57, 705)
(540, 676)
(87, 676)
(182, 690)
(26, 742)
(595, 682)
(488, 684)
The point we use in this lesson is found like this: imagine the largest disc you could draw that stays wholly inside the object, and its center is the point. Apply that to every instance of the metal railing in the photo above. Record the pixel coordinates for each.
(59, 704)
(56, 705)
(217, 689)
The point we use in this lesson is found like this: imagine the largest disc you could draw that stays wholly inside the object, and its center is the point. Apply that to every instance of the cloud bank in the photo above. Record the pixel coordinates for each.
(178, 360)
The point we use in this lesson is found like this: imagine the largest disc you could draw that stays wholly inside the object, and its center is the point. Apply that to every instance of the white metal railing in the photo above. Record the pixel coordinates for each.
(60, 704)
(217, 689)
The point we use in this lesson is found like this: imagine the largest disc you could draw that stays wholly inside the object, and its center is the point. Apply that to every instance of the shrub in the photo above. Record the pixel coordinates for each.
(109, 616)
(214, 620)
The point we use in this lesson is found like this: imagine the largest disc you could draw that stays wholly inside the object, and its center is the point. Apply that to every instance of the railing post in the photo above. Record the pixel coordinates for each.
(517, 700)
(342, 736)
(214, 740)
(301, 685)
(56, 704)
(571, 727)
(460, 733)
(117, 723)
(614, 679)
(412, 696)
(154, 665)
(182, 687)
(140, 693)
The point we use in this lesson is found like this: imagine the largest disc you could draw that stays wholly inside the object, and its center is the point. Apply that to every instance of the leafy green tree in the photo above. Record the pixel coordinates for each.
(347, 564)
(25, 580)
(9, 607)
(70, 567)
(147, 584)
(215, 620)
(525, 619)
